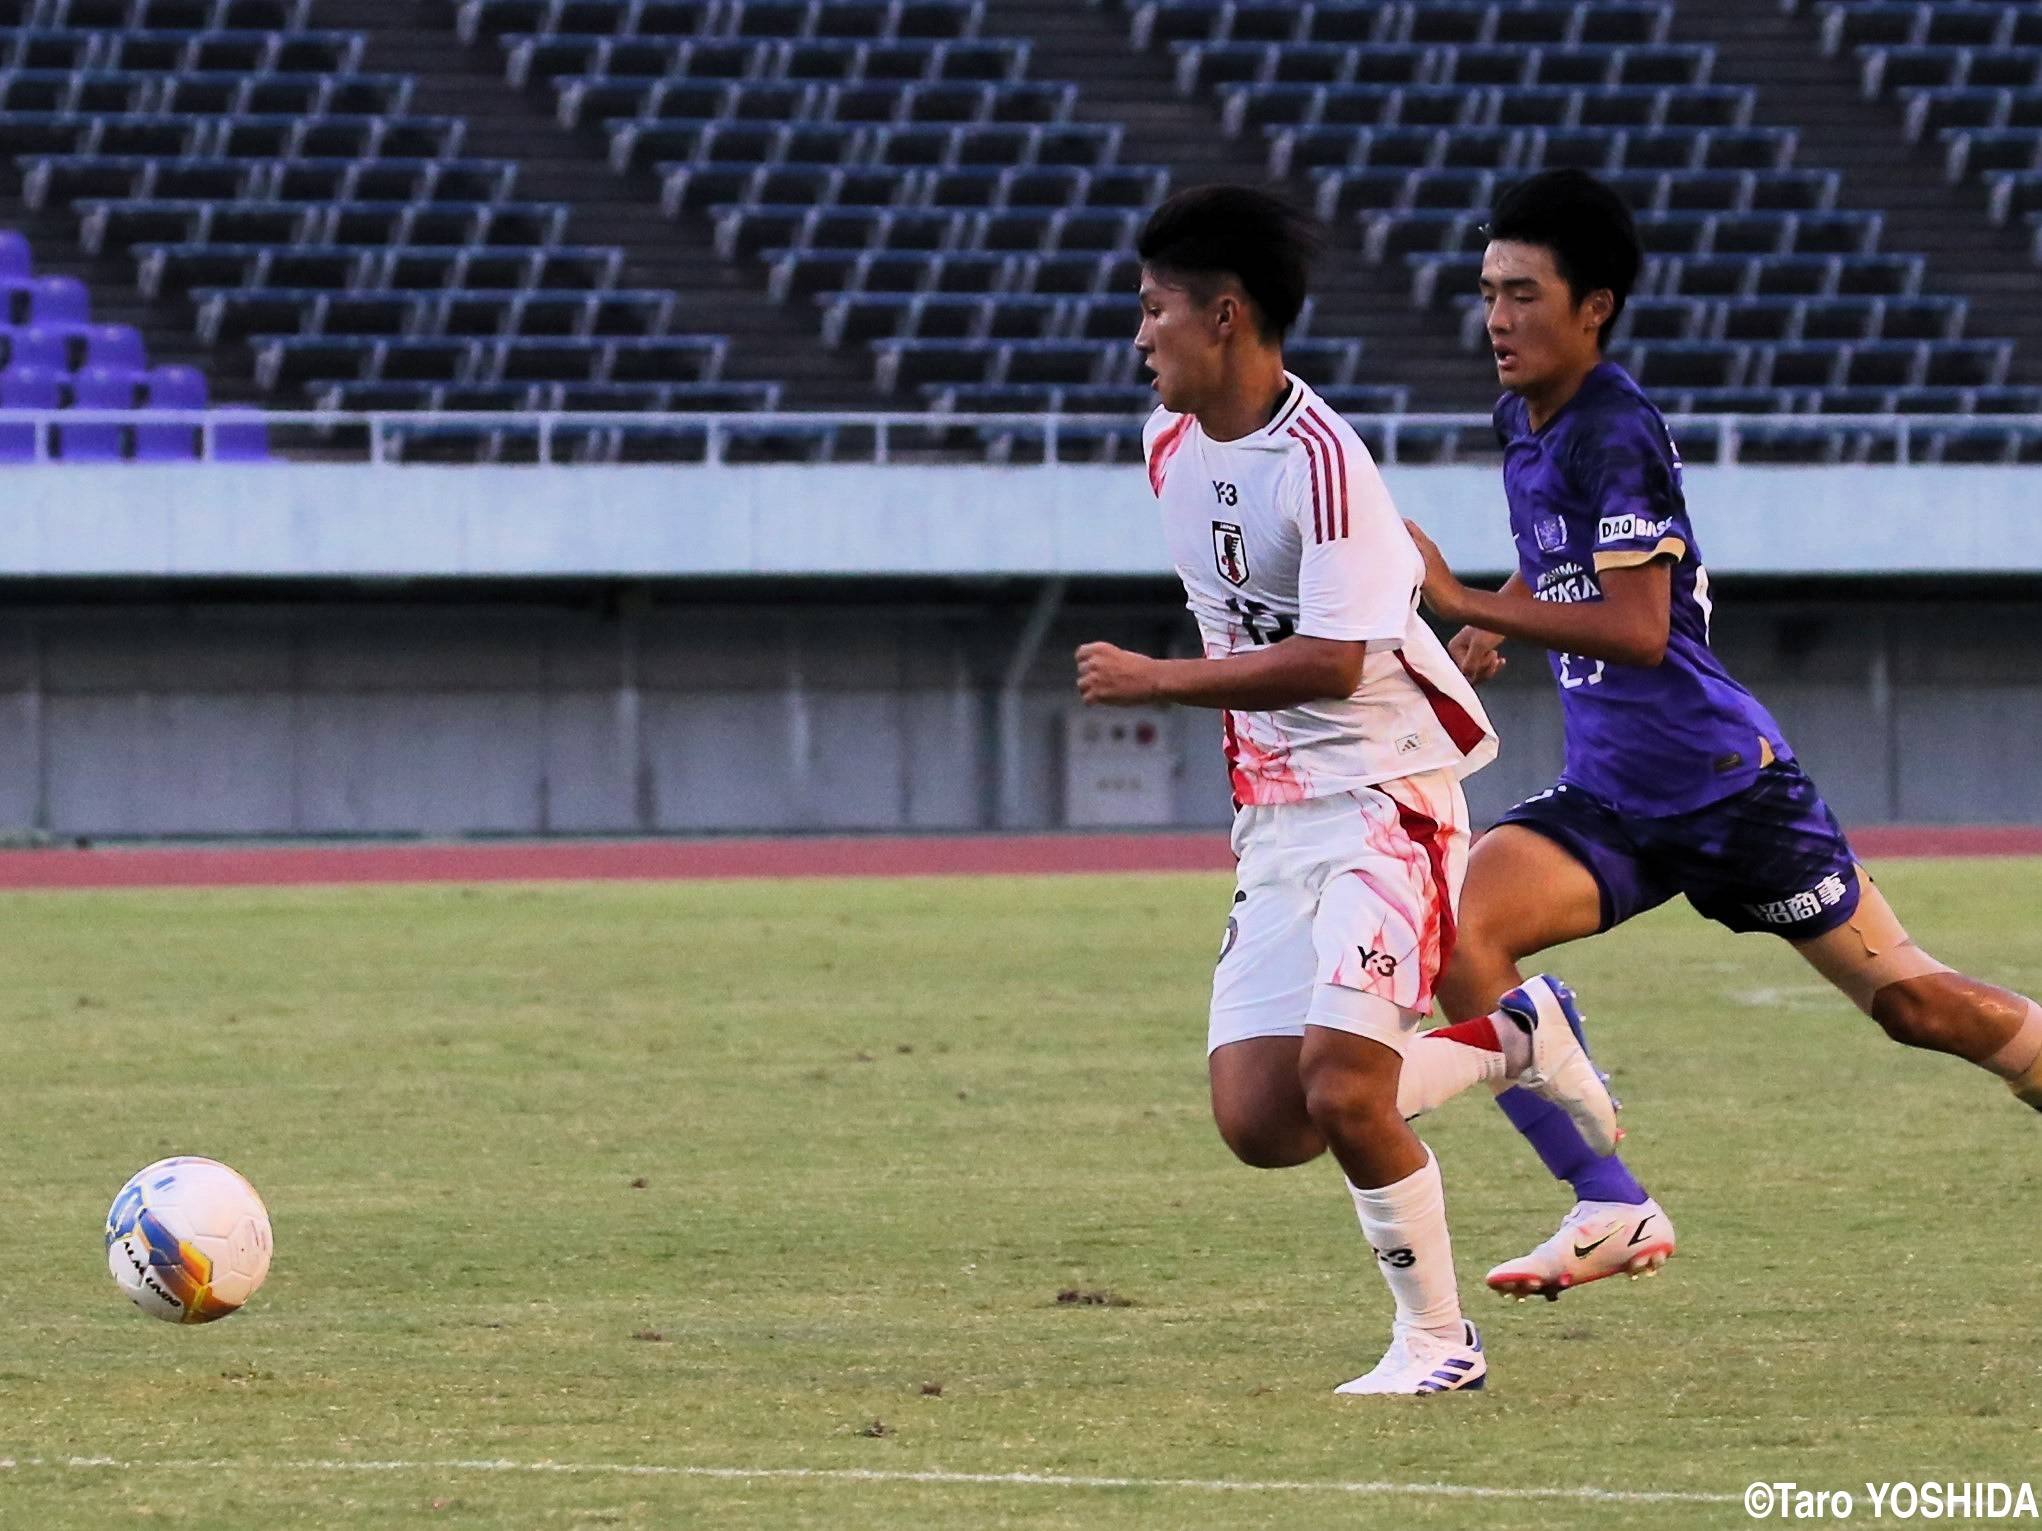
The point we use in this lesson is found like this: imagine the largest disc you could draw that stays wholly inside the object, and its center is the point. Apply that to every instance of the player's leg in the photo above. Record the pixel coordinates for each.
(1393, 1179)
(1258, 1102)
(1499, 924)
(1775, 859)
(1391, 867)
(1261, 991)
(1920, 1002)
(1582, 881)
(1586, 878)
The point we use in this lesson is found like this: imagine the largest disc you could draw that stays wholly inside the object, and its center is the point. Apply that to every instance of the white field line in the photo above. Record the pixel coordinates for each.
(1582, 1495)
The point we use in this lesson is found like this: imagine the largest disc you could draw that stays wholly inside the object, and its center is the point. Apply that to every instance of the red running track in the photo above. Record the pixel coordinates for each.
(840, 856)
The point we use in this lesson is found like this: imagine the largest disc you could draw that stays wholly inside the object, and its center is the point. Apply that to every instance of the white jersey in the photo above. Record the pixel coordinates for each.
(1291, 530)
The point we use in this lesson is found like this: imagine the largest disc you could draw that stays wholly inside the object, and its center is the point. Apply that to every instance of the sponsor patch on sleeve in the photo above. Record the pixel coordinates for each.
(1631, 528)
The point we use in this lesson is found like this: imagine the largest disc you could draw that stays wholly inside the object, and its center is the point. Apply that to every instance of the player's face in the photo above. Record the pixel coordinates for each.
(1538, 333)
(1180, 345)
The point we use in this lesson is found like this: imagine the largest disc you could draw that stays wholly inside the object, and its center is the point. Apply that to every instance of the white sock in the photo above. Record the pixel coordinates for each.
(1405, 1225)
(1438, 1064)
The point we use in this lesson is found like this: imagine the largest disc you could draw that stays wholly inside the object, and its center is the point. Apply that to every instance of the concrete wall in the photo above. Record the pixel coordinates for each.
(742, 705)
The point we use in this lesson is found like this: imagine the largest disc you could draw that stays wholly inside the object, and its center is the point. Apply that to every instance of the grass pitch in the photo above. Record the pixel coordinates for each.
(791, 1176)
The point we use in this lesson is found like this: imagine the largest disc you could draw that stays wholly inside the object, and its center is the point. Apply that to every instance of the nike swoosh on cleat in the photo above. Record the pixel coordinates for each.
(1641, 1230)
(1583, 1251)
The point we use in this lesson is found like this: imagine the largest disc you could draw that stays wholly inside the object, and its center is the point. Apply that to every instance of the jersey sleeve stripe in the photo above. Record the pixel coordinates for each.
(1631, 558)
(1312, 461)
(1337, 468)
(1465, 732)
(1165, 449)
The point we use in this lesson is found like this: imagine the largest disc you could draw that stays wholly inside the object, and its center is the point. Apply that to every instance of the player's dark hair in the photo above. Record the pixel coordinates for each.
(1199, 237)
(1586, 225)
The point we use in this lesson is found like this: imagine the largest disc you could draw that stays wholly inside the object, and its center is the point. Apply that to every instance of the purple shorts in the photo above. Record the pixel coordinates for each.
(1770, 858)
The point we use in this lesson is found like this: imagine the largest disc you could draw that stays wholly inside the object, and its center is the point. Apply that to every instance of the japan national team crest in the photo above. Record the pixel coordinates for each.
(1230, 552)
(1551, 533)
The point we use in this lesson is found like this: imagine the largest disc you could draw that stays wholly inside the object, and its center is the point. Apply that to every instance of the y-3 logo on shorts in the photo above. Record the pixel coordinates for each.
(1378, 964)
(1397, 1259)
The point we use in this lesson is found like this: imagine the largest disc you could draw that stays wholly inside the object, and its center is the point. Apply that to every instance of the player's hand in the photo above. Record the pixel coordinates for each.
(1114, 677)
(1441, 590)
(1475, 651)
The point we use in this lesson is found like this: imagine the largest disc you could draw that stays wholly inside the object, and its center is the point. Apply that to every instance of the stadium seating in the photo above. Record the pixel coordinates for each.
(901, 173)
(1966, 78)
(888, 163)
(1408, 119)
(247, 163)
(52, 357)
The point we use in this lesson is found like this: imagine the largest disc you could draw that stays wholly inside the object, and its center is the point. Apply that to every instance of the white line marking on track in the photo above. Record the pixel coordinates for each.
(1583, 1494)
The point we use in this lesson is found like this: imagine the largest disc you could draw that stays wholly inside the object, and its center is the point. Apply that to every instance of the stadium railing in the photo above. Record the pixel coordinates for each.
(580, 439)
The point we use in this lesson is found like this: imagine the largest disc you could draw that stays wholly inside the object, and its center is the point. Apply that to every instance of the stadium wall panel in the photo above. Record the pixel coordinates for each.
(758, 705)
(339, 520)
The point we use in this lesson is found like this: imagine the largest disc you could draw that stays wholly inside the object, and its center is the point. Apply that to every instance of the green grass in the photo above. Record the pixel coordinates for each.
(879, 1127)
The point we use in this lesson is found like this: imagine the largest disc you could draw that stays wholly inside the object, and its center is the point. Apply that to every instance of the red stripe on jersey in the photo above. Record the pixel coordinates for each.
(1312, 457)
(1230, 746)
(1465, 732)
(1165, 448)
(1336, 484)
(1340, 458)
(1423, 831)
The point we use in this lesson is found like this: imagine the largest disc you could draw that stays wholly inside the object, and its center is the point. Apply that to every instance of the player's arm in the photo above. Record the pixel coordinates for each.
(1629, 625)
(1285, 674)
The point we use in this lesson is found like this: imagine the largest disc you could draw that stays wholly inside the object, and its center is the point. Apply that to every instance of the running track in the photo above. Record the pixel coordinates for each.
(843, 856)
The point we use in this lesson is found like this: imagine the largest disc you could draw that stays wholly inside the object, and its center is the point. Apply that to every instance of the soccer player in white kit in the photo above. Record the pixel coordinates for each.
(1347, 729)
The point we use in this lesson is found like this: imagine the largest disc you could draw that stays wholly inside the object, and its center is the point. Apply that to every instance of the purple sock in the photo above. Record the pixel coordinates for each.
(1566, 1152)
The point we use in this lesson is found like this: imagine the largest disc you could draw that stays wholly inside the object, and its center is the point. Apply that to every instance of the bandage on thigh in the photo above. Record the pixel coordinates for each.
(1869, 951)
(2019, 1063)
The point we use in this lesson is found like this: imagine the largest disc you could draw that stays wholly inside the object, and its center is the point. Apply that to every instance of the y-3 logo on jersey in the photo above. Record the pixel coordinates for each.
(1226, 494)
(1230, 551)
(1378, 964)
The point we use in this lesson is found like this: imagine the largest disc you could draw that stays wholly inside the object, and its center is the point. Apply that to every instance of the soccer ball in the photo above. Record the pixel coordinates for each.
(188, 1240)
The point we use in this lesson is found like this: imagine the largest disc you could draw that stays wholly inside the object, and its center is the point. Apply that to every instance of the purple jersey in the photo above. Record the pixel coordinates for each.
(1599, 487)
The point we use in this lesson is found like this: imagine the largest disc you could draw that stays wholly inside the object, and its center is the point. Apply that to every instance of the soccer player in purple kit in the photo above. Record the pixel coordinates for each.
(1676, 779)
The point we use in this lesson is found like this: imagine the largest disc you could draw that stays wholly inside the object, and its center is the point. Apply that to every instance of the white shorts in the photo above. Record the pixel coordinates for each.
(1343, 912)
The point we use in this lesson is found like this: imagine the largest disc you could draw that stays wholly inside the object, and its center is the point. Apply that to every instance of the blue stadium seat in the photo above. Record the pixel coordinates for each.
(1948, 67)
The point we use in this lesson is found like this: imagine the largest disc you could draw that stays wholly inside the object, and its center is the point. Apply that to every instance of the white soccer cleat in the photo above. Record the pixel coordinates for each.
(1561, 1070)
(1596, 1239)
(1417, 1363)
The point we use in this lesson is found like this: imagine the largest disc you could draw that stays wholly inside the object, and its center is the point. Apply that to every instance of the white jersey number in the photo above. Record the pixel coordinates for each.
(1570, 680)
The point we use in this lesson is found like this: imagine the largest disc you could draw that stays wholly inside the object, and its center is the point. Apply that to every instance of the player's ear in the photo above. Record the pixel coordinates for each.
(1597, 307)
(1226, 315)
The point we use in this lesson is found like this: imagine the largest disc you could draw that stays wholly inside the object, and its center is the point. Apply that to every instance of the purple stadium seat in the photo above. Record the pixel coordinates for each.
(98, 388)
(16, 294)
(172, 387)
(163, 441)
(244, 438)
(39, 346)
(60, 300)
(25, 388)
(115, 345)
(15, 260)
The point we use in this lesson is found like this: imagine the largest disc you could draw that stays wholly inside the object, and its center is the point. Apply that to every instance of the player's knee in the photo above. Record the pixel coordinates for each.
(1351, 1105)
(1917, 1012)
(1264, 1143)
(1492, 942)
